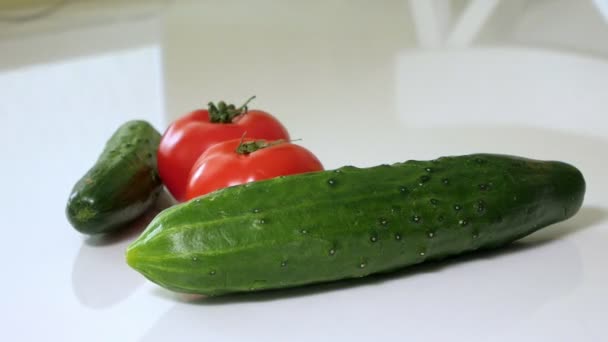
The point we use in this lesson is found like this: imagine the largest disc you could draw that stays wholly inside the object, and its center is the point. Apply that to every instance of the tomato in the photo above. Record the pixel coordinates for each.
(239, 161)
(191, 135)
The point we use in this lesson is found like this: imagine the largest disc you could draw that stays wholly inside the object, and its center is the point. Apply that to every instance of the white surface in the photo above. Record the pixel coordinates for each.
(524, 86)
(61, 286)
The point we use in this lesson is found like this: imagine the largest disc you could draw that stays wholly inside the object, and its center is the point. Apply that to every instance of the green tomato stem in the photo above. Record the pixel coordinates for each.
(249, 147)
(225, 113)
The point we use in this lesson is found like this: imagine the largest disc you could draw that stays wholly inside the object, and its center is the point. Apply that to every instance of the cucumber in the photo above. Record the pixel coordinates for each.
(351, 222)
(123, 183)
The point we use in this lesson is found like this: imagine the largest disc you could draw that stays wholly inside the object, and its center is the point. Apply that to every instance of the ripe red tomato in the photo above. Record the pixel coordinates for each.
(239, 161)
(188, 137)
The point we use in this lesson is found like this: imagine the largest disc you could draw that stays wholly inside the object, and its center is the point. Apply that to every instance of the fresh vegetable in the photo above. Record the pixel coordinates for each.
(352, 222)
(122, 184)
(239, 161)
(188, 137)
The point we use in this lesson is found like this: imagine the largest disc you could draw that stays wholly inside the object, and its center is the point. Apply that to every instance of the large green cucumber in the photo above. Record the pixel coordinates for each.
(122, 184)
(351, 222)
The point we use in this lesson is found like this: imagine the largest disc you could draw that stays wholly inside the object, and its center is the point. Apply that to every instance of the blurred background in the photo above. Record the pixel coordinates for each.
(346, 76)
(361, 82)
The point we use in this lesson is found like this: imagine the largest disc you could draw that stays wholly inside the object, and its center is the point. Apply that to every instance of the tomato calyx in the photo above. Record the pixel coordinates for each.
(247, 147)
(224, 113)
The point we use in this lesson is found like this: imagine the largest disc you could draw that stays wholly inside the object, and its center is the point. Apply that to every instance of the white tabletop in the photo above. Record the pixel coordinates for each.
(388, 104)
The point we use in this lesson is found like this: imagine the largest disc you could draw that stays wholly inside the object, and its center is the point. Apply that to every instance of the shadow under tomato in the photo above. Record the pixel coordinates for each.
(100, 276)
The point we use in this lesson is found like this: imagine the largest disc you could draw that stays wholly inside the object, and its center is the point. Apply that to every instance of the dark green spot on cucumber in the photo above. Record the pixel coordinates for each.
(423, 179)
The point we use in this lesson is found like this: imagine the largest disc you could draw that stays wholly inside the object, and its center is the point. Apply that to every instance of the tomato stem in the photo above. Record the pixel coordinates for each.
(224, 113)
(252, 146)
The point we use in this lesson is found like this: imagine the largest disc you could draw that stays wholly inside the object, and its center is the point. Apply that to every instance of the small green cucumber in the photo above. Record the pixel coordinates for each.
(351, 222)
(122, 184)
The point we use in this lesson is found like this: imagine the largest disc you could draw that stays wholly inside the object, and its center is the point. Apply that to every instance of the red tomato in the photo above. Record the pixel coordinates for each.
(236, 162)
(188, 137)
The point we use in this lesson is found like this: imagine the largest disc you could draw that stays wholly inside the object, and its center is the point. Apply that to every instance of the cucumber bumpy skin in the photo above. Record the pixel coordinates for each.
(123, 183)
(351, 222)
